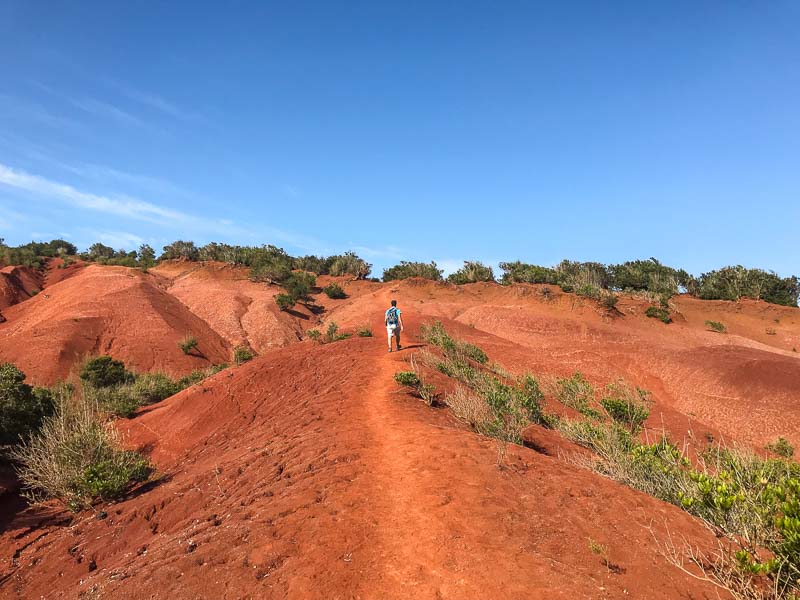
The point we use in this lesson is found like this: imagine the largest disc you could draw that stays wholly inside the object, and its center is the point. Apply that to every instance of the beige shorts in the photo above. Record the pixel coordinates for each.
(393, 330)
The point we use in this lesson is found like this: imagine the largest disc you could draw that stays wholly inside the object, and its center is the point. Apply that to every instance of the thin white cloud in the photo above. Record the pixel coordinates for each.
(120, 206)
(11, 107)
(119, 239)
(104, 109)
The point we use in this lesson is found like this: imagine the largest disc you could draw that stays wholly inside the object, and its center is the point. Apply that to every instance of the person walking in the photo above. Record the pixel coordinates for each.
(394, 324)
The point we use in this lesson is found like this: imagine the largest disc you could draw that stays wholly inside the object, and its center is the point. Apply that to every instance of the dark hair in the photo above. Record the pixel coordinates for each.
(394, 302)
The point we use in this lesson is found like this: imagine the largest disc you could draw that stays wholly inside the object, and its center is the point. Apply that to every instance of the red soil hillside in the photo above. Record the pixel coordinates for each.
(17, 284)
(734, 383)
(244, 313)
(305, 474)
(105, 310)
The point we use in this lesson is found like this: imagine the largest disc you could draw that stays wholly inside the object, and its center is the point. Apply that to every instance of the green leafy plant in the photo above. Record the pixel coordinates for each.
(407, 269)
(471, 272)
(364, 331)
(577, 393)
(284, 301)
(628, 407)
(314, 334)
(77, 459)
(407, 378)
(188, 344)
(104, 371)
(655, 312)
(22, 407)
(242, 354)
(781, 447)
(716, 326)
(334, 291)
(435, 334)
(332, 333)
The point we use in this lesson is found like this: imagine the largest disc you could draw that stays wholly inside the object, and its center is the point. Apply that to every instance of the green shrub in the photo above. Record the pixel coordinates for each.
(734, 282)
(364, 331)
(188, 344)
(149, 388)
(334, 292)
(471, 272)
(284, 302)
(299, 286)
(314, 334)
(577, 393)
(609, 300)
(626, 406)
(407, 378)
(781, 447)
(662, 314)
(650, 275)
(716, 326)
(435, 334)
(519, 272)
(199, 375)
(22, 407)
(242, 354)
(77, 459)
(332, 333)
(413, 269)
(567, 288)
(588, 291)
(104, 371)
(349, 264)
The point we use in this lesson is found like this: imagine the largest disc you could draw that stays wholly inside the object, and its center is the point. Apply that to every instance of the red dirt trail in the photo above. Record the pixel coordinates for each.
(305, 474)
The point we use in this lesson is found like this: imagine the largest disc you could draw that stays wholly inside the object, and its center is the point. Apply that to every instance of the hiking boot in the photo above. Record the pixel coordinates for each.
(390, 349)
(399, 348)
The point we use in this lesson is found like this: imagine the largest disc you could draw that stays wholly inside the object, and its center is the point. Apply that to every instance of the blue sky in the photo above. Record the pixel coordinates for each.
(415, 130)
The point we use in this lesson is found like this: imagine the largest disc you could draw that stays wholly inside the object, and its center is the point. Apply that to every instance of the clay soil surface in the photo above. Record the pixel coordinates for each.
(307, 473)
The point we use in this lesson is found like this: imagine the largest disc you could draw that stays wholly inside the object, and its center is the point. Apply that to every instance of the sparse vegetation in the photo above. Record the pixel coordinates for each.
(242, 354)
(781, 447)
(298, 288)
(413, 379)
(578, 394)
(188, 344)
(332, 333)
(716, 326)
(314, 334)
(413, 269)
(334, 291)
(435, 334)
(471, 272)
(406, 378)
(364, 331)
(76, 458)
(754, 503)
(104, 371)
(656, 312)
(625, 405)
(284, 302)
(22, 407)
(609, 300)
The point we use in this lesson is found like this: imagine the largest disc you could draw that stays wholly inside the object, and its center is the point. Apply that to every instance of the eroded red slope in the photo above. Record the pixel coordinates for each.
(105, 310)
(305, 474)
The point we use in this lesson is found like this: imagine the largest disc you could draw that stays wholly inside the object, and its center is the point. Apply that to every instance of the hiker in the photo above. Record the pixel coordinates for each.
(394, 324)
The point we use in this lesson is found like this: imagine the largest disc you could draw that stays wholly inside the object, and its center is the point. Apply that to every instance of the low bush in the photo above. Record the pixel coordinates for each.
(334, 292)
(609, 300)
(188, 344)
(284, 302)
(471, 272)
(413, 380)
(242, 354)
(577, 393)
(407, 378)
(104, 371)
(332, 333)
(781, 447)
(407, 269)
(716, 326)
(22, 407)
(754, 503)
(628, 407)
(364, 331)
(77, 458)
(655, 312)
(435, 334)
(314, 334)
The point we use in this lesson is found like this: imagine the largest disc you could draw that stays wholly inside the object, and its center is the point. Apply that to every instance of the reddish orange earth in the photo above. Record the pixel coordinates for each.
(307, 473)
